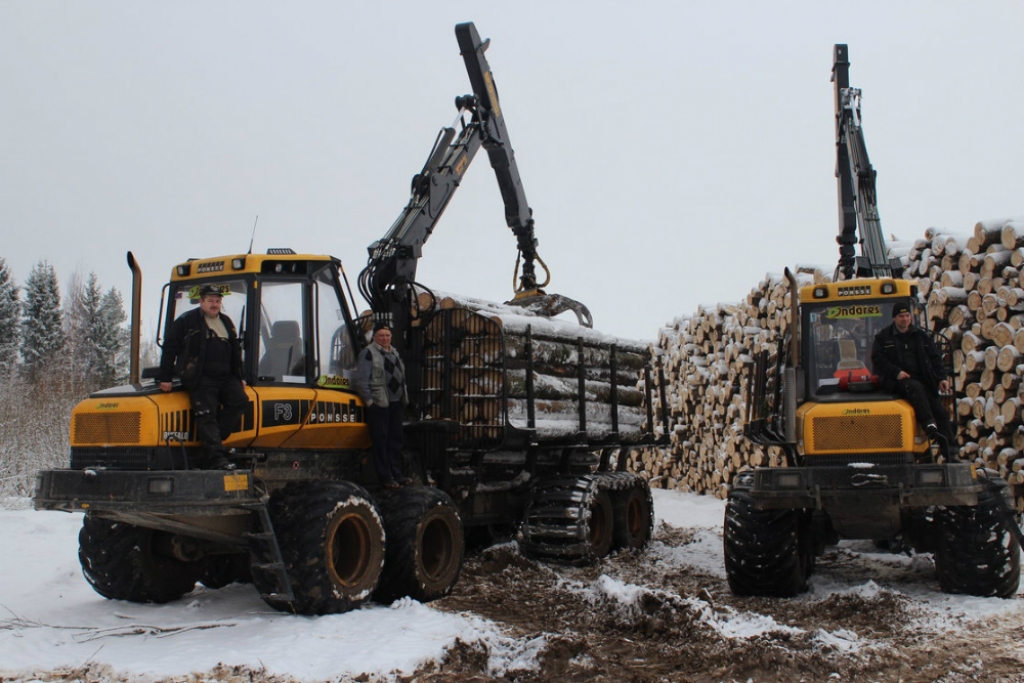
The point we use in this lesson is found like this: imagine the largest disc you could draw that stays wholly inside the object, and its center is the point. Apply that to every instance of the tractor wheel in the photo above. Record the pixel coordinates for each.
(217, 571)
(764, 552)
(424, 545)
(601, 527)
(332, 543)
(975, 554)
(125, 562)
(568, 521)
(633, 512)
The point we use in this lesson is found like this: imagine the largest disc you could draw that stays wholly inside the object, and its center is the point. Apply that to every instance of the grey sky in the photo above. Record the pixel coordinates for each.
(673, 152)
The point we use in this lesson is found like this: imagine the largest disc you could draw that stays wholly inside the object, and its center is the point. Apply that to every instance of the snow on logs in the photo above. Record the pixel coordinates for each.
(485, 362)
(973, 294)
(705, 361)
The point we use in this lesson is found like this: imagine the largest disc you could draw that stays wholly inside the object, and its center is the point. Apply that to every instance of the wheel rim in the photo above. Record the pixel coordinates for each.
(437, 548)
(635, 517)
(600, 524)
(348, 549)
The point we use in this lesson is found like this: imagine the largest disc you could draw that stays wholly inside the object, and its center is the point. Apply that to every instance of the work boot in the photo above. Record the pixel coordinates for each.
(218, 461)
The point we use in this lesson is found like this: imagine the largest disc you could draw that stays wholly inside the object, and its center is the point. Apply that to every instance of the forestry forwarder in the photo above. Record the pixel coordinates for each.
(857, 466)
(303, 516)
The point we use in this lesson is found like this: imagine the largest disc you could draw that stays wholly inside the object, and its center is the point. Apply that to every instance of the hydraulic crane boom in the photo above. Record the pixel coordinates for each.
(390, 273)
(858, 203)
(518, 214)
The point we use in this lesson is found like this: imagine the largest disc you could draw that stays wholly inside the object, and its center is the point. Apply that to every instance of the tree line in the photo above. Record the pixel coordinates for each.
(53, 353)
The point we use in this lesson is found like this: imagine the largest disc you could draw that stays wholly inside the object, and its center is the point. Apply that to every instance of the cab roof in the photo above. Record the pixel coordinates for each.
(275, 261)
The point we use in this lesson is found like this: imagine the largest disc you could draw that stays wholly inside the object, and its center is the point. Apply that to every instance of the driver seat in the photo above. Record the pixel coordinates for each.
(848, 356)
(284, 350)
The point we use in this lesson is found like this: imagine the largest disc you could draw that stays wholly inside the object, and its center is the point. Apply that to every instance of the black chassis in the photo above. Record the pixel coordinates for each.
(214, 505)
(822, 488)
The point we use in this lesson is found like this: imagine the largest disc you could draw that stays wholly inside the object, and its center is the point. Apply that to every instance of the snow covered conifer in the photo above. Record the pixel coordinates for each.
(42, 334)
(10, 320)
(81, 311)
(95, 342)
(111, 340)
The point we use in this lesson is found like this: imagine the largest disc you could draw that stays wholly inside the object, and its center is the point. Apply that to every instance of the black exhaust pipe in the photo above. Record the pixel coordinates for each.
(136, 319)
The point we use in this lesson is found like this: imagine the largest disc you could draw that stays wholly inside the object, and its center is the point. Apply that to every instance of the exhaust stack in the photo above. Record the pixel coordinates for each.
(135, 330)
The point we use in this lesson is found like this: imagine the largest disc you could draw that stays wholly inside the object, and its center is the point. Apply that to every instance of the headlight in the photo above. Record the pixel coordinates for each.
(789, 480)
(161, 486)
(930, 477)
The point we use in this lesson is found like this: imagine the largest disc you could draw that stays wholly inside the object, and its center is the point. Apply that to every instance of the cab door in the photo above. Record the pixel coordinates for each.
(301, 387)
(282, 385)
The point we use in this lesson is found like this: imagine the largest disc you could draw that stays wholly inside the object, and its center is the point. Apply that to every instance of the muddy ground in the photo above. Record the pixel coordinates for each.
(677, 627)
(654, 616)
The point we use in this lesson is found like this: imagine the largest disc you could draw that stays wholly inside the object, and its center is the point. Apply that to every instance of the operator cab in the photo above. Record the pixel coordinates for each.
(839, 340)
(839, 321)
(293, 320)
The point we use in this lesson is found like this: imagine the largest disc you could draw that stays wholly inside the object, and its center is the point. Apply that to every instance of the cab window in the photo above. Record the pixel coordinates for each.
(282, 340)
(185, 298)
(841, 337)
(333, 338)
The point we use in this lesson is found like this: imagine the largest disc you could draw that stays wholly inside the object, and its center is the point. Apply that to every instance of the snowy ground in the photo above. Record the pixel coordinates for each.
(663, 614)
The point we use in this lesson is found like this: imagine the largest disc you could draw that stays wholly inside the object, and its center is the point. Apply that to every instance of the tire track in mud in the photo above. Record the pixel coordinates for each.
(650, 616)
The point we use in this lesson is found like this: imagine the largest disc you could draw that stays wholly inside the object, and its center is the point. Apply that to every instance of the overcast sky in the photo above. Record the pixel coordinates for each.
(673, 152)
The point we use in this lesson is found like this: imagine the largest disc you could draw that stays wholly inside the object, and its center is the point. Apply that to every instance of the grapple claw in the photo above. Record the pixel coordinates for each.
(551, 305)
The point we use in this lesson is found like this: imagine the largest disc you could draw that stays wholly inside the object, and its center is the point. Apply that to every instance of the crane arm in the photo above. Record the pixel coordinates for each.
(386, 281)
(518, 215)
(858, 202)
(391, 267)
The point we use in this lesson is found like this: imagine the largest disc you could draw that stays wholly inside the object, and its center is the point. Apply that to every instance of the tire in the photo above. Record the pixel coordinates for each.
(124, 562)
(766, 552)
(217, 571)
(568, 521)
(332, 542)
(425, 545)
(975, 553)
(633, 512)
(600, 526)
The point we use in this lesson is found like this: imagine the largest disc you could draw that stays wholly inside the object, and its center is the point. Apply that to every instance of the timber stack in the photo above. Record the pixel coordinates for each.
(971, 287)
(489, 368)
(704, 360)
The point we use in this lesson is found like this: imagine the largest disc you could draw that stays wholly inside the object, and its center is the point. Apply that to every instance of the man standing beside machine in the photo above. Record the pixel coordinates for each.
(379, 378)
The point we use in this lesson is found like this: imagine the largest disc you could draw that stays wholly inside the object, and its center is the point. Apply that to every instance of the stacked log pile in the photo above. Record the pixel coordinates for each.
(484, 361)
(705, 360)
(971, 287)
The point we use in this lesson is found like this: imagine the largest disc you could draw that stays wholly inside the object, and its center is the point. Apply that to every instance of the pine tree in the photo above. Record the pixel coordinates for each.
(96, 344)
(42, 335)
(111, 340)
(10, 320)
(81, 315)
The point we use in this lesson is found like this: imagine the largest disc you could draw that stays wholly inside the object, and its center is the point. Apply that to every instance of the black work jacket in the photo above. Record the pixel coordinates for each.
(184, 353)
(885, 357)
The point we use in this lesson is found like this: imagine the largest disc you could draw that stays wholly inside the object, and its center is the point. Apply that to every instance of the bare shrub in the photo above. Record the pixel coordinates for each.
(35, 420)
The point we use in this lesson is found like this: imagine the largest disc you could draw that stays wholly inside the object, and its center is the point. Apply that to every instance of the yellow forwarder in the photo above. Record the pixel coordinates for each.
(304, 517)
(857, 466)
